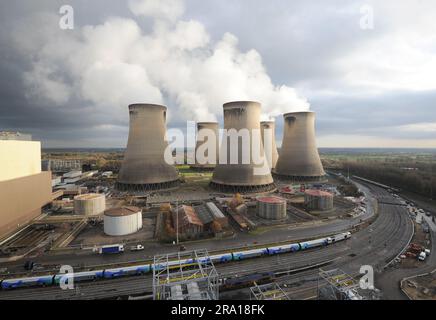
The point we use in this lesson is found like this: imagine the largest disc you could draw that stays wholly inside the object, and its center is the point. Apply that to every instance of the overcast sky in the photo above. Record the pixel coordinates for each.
(367, 68)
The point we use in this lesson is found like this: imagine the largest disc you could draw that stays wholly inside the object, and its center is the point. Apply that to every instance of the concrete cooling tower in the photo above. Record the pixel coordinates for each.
(204, 129)
(270, 125)
(299, 159)
(144, 167)
(242, 175)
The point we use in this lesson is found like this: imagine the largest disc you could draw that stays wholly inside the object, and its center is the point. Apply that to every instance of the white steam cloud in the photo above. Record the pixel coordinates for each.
(115, 63)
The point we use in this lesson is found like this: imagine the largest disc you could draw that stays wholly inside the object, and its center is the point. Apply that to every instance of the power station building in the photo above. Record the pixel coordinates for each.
(122, 221)
(242, 173)
(144, 167)
(206, 131)
(270, 151)
(90, 204)
(299, 159)
(24, 188)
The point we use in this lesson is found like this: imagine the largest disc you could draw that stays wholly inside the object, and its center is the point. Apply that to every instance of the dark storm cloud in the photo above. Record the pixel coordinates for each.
(302, 44)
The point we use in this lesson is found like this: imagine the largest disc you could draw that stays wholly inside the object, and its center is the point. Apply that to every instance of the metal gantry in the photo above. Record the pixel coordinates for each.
(270, 291)
(335, 284)
(187, 275)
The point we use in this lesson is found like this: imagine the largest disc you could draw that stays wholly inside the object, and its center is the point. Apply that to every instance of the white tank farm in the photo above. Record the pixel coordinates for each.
(271, 208)
(89, 204)
(122, 221)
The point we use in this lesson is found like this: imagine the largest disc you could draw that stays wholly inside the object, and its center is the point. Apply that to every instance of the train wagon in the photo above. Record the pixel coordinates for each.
(278, 249)
(240, 255)
(27, 282)
(313, 243)
(126, 271)
(80, 276)
(248, 280)
(339, 237)
(221, 258)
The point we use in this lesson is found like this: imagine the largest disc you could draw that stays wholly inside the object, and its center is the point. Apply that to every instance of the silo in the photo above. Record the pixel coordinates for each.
(299, 159)
(270, 125)
(89, 204)
(122, 221)
(318, 200)
(204, 131)
(246, 174)
(144, 167)
(271, 208)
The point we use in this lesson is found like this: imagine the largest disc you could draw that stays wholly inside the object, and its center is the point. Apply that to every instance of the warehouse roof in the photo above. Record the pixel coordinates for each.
(190, 216)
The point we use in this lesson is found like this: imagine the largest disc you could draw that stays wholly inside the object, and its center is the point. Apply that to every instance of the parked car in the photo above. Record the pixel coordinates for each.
(422, 256)
(138, 247)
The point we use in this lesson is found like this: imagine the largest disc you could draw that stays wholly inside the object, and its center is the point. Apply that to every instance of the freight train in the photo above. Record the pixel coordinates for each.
(47, 280)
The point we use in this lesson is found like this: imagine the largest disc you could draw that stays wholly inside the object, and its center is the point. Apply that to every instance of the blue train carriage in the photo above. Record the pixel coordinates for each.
(279, 249)
(80, 276)
(293, 247)
(173, 264)
(46, 280)
(313, 243)
(241, 255)
(127, 271)
(221, 258)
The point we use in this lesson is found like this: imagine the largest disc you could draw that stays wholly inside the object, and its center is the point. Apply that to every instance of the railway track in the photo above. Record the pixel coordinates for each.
(365, 247)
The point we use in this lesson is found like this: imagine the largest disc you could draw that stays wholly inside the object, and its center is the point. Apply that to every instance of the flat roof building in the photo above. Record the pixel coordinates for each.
(24, 189)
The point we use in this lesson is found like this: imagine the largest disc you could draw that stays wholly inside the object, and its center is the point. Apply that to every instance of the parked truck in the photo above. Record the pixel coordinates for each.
(112, 248)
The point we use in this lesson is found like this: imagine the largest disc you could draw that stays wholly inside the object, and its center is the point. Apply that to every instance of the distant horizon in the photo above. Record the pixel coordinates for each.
(319, 148)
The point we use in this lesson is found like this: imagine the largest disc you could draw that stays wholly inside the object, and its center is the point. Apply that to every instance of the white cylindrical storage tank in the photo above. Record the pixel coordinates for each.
(271, 208)
(89, 204)
(122, 221)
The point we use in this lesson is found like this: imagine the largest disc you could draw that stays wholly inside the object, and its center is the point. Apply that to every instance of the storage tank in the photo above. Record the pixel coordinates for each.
(204, 130)
(242, 177)
(122, 221)
(318, 200)
(90, 204)
(299, 159)
(144, 167)
(271, 208)
(270, 125)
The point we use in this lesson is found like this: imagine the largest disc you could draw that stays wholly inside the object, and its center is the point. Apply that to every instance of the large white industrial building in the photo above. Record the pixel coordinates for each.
(24, 189)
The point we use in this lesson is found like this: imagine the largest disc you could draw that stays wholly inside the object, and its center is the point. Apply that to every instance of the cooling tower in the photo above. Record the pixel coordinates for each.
(299, 159)
(246, 174)
(270, 125)
(204, 129)
(144, 167)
